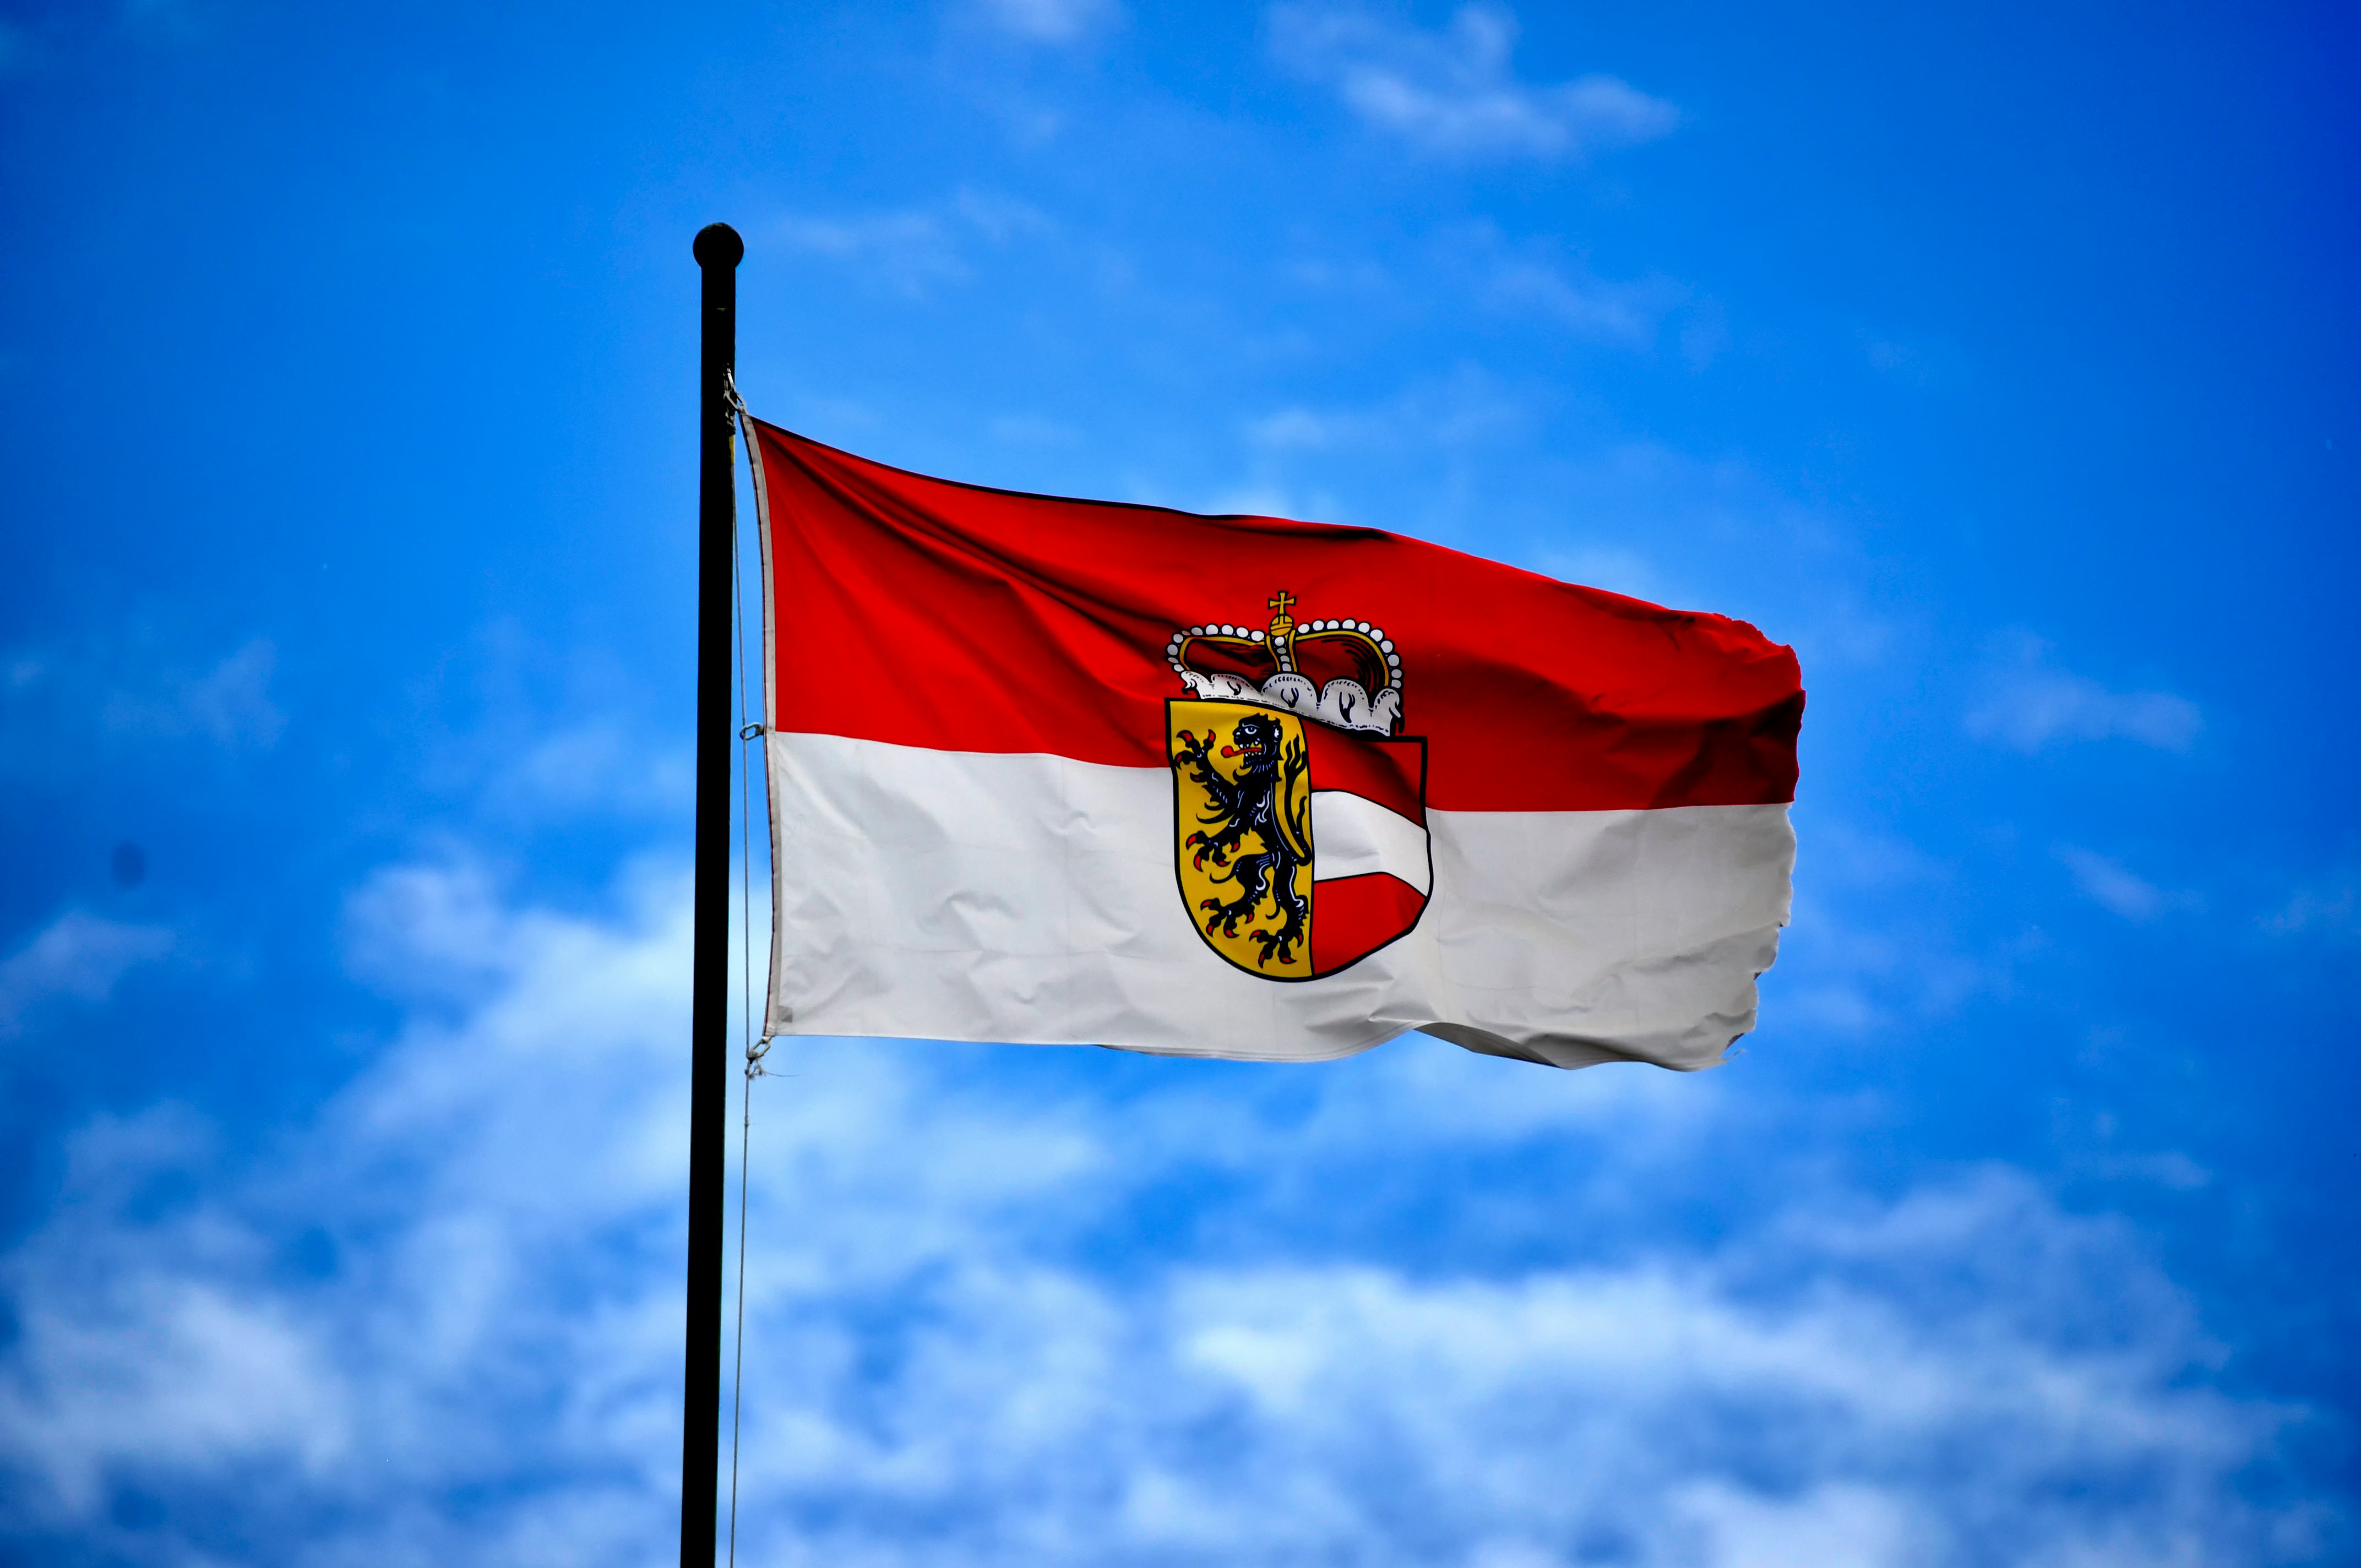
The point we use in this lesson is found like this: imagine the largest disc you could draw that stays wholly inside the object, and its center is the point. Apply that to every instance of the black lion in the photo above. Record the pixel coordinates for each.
(1257, 799)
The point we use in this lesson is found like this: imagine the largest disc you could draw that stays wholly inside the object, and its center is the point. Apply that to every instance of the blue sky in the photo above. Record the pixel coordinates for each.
(1998, 358)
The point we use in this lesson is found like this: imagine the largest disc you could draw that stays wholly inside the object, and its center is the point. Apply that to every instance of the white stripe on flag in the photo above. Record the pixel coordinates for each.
(968, 897)
(1353, 836)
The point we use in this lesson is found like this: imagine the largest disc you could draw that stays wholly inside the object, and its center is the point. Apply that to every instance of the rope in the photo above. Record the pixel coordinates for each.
(756, 1050)
(754, 1055)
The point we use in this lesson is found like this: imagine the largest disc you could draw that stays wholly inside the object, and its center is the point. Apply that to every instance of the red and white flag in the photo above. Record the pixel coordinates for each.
(1069, 771)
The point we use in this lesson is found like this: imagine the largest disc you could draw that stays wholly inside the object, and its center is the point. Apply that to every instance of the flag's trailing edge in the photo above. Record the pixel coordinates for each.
(1069, 771)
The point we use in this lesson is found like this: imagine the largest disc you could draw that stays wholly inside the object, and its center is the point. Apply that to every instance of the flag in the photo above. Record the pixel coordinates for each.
(1071, 772)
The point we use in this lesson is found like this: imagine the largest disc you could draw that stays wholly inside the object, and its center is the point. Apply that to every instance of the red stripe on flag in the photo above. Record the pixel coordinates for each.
(928, 613)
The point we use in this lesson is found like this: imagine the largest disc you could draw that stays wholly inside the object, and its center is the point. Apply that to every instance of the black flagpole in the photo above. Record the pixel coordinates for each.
(718, 250)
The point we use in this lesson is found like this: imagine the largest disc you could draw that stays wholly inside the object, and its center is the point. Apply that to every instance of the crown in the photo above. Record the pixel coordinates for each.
(1340, 672)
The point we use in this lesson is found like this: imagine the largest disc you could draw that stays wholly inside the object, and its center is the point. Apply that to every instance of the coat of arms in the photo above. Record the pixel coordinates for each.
(1300, 817)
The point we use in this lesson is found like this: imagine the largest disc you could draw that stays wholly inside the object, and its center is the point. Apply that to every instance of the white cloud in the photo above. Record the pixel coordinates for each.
(77, 956)
(2331, 909)
(1300, 429)
(1586, 305)
(1000, 219)
(1862, 950)
(1829, 1527)
(2028, 704)
(241, 1378)
(1841, 1006)
(128, 688)
(2169, 1168)
(596, 767)
(951, 1361)
(1537, 279)
(228, 704)
(1465, 409)
(1457, 416)
(1339, 1411)
(2112, 886)
(1051, 21)
(1453, 93)
(1844, 855)
(910, 250)
(914, 250)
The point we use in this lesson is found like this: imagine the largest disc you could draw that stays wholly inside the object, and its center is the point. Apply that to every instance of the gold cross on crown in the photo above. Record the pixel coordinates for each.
(1282, 631)
(1280, 624)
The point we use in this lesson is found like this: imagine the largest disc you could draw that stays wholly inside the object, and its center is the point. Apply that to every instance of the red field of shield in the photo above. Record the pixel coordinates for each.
(1354, 915)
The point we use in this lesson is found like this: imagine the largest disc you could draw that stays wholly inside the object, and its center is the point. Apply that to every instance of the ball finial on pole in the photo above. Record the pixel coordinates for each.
(718, 245)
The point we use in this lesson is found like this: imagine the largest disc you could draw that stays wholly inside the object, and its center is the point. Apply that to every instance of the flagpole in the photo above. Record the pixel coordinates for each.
(718, 250)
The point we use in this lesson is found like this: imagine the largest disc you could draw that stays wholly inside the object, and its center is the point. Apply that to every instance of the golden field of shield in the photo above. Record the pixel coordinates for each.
(1246, 887)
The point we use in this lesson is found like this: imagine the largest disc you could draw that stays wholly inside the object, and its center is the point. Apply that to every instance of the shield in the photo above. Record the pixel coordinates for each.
(1300, 848)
